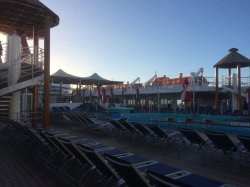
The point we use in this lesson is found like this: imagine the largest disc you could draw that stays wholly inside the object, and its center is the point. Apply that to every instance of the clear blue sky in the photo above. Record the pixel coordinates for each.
(125, 39)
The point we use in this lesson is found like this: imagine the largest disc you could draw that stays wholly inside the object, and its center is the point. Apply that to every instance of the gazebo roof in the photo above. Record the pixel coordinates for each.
(61, 76)
(233, 59)
(23, 15)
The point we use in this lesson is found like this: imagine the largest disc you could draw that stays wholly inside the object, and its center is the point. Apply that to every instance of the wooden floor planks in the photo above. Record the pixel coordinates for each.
(15, 171)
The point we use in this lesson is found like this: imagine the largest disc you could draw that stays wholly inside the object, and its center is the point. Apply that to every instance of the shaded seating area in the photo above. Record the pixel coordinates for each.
(77, 161)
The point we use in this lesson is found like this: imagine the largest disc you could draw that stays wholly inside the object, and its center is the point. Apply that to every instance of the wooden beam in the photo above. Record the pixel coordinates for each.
(46, 95)
(239, 101)
(216, 88)
(229, 77)
(35, 88)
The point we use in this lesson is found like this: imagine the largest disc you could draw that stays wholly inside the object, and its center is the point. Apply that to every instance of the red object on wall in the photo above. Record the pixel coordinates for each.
(185, 84)
(188, 96)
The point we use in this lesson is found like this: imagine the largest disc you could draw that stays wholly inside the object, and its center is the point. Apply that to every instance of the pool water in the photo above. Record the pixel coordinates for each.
(235, 125)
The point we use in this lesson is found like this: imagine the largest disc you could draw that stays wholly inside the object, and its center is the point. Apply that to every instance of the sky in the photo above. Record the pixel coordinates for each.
(125, 39)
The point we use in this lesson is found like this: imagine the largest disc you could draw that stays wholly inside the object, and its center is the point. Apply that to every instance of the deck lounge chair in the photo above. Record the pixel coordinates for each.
(195, 138)
(223, 142)
(128, 172)
(41, 149)
(245, 140)
(67, 108)
(119, 127)
(130, 128)
(164, 181)
(97, 126)
(63, 157)
(55, 109)
(168, 137)
(73, 118)
(183, 178)
(110, 177)
(82, 168)
(144, 132)
(30, 142)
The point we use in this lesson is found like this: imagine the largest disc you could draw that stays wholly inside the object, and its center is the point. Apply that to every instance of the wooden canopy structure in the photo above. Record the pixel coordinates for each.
(232, 60)
(34, 19)
(22, 15)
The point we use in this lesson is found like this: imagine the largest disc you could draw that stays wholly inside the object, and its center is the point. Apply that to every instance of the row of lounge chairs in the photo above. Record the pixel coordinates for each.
(207, 141)
(81, 162)
(72, 119)
(150, 133)
(217, 141)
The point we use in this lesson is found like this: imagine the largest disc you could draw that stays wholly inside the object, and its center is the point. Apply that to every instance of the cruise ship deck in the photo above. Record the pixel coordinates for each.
(22, 170)
(214, 166)
(24, 69)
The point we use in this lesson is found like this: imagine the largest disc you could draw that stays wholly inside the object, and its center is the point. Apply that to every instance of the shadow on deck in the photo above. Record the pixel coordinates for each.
(18, 171)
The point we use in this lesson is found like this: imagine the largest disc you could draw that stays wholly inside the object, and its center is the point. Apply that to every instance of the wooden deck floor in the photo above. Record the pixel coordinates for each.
(15, 171)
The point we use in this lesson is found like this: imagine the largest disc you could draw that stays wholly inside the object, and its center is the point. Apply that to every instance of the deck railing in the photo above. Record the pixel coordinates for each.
(26, 57)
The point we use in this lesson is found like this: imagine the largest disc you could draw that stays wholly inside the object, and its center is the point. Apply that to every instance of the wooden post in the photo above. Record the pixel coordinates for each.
(229, 77)
(216, 88)
(60, 89)
(60, 94)
(80, 88)
(239, 103)
(46, 94)
(35, 87)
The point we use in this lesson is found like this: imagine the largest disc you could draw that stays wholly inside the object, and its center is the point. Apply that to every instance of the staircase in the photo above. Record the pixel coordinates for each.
(4, 105)
(30, 74)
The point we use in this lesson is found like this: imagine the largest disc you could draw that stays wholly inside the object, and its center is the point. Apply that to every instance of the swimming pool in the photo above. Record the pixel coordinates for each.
(235, 125)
